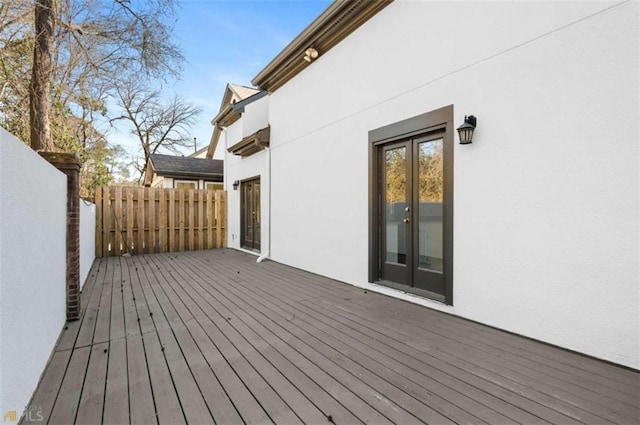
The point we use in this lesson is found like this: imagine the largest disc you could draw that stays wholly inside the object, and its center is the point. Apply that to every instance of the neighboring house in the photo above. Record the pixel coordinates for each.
(346, 168)
(184, 172)
(201, 153)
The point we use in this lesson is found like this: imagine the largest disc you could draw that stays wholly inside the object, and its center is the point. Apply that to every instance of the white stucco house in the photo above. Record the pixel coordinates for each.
(346, 162)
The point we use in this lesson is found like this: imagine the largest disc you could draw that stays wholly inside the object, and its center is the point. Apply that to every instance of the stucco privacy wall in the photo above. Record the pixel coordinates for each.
(545, 199)
(87, 239)
(33, 197)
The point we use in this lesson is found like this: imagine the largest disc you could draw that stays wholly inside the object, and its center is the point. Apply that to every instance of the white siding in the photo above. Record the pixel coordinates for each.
(33, 199)
(546, 198)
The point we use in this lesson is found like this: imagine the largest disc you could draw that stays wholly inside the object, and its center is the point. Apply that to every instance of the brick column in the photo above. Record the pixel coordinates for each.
(69, 164)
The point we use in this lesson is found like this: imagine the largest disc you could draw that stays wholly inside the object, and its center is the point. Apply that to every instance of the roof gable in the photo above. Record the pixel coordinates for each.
(227, 115)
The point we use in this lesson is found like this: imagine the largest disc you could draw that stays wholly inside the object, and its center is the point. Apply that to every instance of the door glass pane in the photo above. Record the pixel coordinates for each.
(430, 210)
(395, 202)
(256, 211)
(248, 210)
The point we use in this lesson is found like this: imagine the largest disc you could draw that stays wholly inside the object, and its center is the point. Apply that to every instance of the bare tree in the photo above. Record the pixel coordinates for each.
(87, 48)
(81, 51)
(158, 126)
(42, 70)
(16, 50)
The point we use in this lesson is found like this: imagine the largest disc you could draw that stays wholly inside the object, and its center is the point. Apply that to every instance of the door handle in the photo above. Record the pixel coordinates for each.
(406, 220)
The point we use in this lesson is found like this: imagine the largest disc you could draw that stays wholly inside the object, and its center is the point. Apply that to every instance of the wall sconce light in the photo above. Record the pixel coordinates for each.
(465, 131)
(236, 184)
(310, 54)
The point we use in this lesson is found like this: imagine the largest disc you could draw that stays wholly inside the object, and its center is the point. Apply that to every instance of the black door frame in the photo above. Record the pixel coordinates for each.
(439, 120)
(243, 224)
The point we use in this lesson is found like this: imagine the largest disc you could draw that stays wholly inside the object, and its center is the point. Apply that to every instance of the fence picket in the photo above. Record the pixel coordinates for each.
(172, 220)
(191, 223)
(99, 209)
(150, 241)
(162, 222)
(210, 223)
(106, 222)
(200, 210)
(117, 205)
(218, 219)
(139, 207)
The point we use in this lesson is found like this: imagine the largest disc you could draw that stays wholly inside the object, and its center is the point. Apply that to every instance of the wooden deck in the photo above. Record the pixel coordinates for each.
(212, 337)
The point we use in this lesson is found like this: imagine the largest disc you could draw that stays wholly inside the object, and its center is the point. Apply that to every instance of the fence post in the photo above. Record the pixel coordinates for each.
(69, 164)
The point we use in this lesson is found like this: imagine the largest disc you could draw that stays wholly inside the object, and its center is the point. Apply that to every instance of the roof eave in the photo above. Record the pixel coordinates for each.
(339, 20)
(225, 118)
(179, 175)
(239, 106)
(253, 143)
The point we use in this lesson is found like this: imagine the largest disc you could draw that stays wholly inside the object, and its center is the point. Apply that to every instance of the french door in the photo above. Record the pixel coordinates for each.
(411, 205)
(250, 214)
(411, 213)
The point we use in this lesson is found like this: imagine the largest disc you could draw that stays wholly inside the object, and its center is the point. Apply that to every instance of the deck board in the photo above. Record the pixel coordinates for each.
(70, 331)
(117, 325)
(116, 399)
(90, 308)
(214, 337)
(141, 398)
(48, 388)
(92, 399)
(66, 405)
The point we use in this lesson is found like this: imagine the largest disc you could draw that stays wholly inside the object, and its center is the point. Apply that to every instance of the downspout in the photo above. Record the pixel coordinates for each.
(267, 252)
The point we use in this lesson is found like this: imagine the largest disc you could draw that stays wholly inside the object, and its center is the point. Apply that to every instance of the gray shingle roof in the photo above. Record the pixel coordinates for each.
(185, 166)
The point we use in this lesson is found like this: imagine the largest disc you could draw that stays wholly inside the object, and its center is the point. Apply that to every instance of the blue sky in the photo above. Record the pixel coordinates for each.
(229, 41)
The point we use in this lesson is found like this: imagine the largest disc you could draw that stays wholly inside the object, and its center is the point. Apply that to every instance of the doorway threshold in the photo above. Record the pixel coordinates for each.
(401, 292)
(248, 251)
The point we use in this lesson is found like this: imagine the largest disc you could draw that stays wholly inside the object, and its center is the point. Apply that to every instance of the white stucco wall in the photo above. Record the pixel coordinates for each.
(220, 152)
(87, 239)
(33, 197)
(546, 198)
(238, 168)
(255, 116)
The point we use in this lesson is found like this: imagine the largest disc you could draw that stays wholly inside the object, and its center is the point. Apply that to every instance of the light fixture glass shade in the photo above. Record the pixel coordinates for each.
(465, 131)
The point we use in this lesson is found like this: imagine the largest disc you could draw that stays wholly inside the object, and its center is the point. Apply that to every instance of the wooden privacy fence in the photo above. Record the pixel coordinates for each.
(139, 220)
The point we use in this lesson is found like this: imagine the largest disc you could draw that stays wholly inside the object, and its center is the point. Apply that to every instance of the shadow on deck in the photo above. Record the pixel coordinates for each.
(212, 337)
